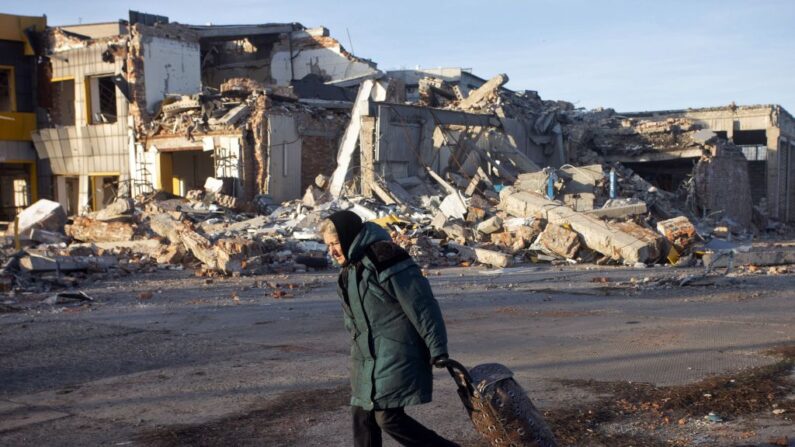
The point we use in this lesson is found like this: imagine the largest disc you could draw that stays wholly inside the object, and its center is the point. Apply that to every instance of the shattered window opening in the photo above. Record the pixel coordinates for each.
(107, 98)
(756, 137)
(102, 100)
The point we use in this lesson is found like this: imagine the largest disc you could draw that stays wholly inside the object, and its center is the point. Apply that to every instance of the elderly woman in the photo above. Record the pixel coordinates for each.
(396, 327)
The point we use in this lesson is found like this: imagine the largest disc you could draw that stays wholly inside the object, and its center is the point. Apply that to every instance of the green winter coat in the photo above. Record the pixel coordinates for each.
(395, 323)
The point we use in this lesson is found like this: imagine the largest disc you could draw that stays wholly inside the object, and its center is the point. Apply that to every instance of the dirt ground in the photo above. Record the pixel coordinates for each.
(612, 357)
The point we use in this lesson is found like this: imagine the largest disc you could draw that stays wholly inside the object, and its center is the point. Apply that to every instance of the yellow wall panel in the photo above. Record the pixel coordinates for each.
(16, 126)
(13, 28)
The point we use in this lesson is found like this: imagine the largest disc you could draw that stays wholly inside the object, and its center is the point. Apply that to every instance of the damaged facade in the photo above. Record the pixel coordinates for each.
(223, 147)
(99, 100)
(144, 105)
(766, 136)
(19, 73)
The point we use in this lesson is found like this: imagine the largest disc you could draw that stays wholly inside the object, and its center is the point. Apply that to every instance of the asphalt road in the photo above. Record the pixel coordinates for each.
(166, 352)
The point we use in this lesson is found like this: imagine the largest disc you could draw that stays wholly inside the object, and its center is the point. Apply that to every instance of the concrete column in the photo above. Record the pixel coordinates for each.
(83, 203)
(60, 191)
(367, 154)
(773, 171)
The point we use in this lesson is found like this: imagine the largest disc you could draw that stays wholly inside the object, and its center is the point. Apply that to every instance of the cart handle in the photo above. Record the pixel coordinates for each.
(460, 375)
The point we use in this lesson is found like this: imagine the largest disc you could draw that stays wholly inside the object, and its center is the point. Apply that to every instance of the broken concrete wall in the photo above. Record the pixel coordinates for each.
(284, 158)
(405, 145)
(459, 78)
(767, 154)
(275, 55)
(94, 144)
(320, 133)
(301, 54)
(247, 57)
(113, 102)
(368, 91)
(621, 139)
(170, 67)
(162, 60)
(244, 135)
(259, 137)
(160, 47)
(722, 187)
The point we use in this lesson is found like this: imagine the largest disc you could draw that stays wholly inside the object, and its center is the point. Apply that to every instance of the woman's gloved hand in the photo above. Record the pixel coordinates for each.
(440, 361)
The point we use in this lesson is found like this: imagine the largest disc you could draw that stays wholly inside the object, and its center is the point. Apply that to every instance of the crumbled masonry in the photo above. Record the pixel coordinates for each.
(296, 128)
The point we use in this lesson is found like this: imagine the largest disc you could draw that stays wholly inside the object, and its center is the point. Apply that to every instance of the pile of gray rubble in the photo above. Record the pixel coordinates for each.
(477, 200)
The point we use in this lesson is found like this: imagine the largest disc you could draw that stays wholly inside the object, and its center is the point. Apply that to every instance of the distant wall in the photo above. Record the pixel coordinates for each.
(170, 66)
(328, 63)
(284, 158)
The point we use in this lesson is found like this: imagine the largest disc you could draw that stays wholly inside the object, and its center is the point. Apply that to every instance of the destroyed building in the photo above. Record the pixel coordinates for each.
(764, 133)
(227, 160)
(448, 82)
(145, 104)
(19, 170)
(725, 163)
(90, 128)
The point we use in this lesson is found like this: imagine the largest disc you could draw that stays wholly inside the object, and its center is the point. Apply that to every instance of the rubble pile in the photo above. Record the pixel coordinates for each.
(592, 208)
(487, 204)
(219, 110)
(460, 176)
(160, 231)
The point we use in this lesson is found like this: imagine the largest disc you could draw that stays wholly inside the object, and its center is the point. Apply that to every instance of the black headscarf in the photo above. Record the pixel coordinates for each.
(348, 225)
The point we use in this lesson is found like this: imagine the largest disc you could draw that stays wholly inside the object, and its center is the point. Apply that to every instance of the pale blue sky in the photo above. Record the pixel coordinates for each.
(628, 55)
